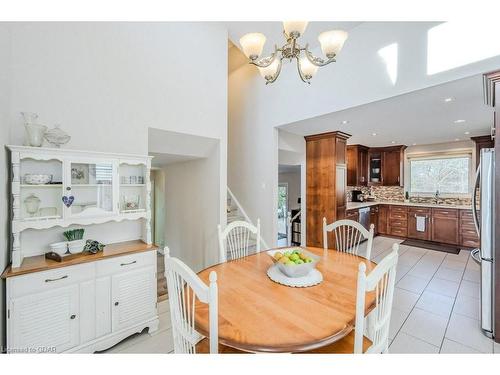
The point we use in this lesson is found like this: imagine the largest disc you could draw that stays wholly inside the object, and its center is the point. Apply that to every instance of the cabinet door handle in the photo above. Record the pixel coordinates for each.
(128, 264)
(117, 303)
(60, 278)
(72, 316)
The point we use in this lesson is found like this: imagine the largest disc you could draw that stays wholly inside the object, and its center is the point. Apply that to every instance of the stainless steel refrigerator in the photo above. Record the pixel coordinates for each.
(484, 219)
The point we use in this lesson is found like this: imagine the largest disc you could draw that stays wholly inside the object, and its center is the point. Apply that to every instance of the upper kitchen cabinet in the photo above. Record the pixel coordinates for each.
(386, 165)
(357, 165)
(483, 141)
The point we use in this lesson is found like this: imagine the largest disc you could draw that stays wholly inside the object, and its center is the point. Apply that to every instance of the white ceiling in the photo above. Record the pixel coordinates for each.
(160, 159)
(274, 32)
(421, 117)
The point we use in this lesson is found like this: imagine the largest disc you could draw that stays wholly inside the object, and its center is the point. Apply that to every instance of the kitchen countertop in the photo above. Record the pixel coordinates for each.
(356, 205)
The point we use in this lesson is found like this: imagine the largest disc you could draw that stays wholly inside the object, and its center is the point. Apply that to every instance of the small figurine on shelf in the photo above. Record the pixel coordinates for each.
(93, 246)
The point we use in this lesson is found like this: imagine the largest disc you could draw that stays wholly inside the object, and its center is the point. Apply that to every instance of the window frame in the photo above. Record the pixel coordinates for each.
(437, 156)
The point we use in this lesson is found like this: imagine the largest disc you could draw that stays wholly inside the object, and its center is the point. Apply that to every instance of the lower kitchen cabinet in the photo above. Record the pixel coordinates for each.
(46, 321)
(425, 214)
(445, 226)
(398, 223)
(383, 217)
(82, 308)
(468, 232)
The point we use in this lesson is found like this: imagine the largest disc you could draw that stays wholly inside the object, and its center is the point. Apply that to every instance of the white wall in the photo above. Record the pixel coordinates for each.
(192, 210)
(359, 77)
(106, 83)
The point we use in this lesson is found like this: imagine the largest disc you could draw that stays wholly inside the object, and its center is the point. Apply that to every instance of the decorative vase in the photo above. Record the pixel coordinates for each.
(32, 203)
(35, 134)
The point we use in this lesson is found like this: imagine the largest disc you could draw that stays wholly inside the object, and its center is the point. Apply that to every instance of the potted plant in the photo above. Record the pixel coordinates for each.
(75, 240)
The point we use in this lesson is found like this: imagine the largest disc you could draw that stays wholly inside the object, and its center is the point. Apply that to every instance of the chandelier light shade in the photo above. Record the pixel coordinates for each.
(252, 45)
(331, 43)
(295, 27)
(270, 70)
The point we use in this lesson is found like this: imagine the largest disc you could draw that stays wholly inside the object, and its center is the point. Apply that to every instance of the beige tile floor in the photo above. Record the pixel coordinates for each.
(436, 307)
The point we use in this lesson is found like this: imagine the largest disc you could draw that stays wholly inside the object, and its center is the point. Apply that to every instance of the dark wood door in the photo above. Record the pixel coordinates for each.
(391, 168)
(425, 213)
(383, 216)
(445, 225)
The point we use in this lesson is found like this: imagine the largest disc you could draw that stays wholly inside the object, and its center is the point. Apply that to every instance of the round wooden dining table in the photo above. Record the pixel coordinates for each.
(259, 315)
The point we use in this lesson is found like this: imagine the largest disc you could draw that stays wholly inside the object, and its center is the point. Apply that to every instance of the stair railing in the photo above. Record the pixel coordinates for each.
(247, 218)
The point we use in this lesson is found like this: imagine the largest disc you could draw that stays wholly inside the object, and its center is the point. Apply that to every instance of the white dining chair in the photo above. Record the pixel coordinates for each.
(379, 281)
(184, 286)
(235, 239)
(348, 236)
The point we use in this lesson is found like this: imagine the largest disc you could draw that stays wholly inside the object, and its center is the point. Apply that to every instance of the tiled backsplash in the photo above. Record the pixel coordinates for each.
(397, 194)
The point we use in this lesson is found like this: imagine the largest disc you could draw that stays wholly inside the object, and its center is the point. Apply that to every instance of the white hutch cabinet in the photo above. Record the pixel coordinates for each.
(91, 301)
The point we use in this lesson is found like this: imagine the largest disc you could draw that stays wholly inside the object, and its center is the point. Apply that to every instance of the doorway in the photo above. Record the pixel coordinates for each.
(282, 213)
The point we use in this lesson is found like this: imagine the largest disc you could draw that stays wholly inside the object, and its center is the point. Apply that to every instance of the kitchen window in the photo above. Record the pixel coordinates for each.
(450, 175)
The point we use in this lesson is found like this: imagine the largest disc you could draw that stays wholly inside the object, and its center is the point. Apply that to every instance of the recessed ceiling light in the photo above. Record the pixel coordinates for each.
(447, 100)
(457, 139)
(393, 142)
(345, 122)
(459, 121)
(414, 144)
(374, 134)
(467, 133)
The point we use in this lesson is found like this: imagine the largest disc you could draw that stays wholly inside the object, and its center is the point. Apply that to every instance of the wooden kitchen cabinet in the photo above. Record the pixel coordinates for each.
(483, 141)
(352, 215)
(468, 233)
(326, 182)
(383, 217)
(385, 165)
(357, 165)
(398, 222)
(445, 226)
(392, 166)
(426, 213)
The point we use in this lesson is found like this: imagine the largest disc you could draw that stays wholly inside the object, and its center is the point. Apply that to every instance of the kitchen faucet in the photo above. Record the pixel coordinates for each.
(437, 196)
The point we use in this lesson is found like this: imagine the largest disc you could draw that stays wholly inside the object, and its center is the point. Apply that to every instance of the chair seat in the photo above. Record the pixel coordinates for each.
(203, 347)
(343, 346)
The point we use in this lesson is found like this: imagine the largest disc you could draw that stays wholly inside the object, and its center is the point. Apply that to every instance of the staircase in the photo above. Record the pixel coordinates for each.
(236, 213)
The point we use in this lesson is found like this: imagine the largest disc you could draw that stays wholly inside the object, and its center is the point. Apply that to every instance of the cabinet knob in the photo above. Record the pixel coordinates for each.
(117, 303)
(72, 316)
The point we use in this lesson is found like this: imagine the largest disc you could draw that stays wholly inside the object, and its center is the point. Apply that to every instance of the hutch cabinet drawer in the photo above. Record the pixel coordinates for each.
(397, 231)
(49, 280)
(126, 263)
(446, 213)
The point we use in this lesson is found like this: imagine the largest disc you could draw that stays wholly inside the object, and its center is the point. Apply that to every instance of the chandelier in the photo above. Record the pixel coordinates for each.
(307, 64)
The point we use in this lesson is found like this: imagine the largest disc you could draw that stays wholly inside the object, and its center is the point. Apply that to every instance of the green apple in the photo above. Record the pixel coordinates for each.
(299, 261)
(294, 257)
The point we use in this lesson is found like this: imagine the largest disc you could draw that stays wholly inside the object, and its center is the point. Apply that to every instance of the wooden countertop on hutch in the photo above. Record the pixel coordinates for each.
(39, 263)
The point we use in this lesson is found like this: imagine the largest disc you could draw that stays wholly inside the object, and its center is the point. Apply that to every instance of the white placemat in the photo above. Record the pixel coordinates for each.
(313, 278)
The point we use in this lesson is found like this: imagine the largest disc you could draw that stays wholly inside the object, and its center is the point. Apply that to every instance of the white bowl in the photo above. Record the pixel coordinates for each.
(76, 247)
(37, 179)
(296, 270)
(59, 247)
